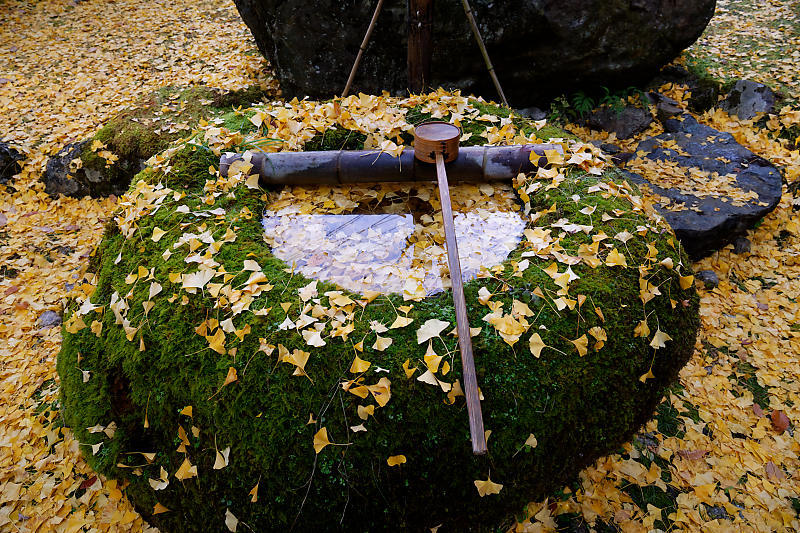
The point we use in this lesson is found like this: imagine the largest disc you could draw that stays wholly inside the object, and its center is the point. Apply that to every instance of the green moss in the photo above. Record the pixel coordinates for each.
(746, 379)
(646, 495)
(151, 126)
(561, 397)
(337, 139)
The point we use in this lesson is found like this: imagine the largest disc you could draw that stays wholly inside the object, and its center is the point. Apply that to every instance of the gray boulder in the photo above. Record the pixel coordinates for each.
(748, 98)
(62, 176)
(533, 113)
(540, 48)
(626, 123)
(706, 222)
(10, 159)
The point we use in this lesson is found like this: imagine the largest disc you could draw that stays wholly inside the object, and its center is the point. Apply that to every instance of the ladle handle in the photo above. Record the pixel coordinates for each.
(462, 322)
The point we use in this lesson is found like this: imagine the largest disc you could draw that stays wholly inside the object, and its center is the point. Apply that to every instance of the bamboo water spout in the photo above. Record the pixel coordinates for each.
(473, 164)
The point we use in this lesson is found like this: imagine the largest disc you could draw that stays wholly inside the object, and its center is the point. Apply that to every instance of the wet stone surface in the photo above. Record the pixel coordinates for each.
(389, 238)
(711, 189)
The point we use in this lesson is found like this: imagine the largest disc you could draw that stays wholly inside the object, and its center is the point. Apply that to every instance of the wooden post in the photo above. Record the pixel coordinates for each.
(420, 21)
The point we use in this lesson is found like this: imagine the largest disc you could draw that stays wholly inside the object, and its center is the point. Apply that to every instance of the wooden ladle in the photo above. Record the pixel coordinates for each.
(437, 142)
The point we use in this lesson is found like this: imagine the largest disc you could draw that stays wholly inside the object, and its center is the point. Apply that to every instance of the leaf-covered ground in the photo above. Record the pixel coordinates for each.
(721, 453)
(753, 40)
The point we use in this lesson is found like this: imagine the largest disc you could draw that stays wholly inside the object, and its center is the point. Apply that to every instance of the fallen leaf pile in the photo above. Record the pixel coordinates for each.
(720, 454)
(757, 41)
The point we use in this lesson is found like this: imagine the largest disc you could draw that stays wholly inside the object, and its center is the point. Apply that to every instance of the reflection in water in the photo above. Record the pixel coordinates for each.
(389, 239)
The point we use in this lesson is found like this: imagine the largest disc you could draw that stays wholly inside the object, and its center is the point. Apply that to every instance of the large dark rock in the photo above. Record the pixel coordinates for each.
(260, 421)
(539, 47)
(65, 175)
(706, 222)
(9, 161)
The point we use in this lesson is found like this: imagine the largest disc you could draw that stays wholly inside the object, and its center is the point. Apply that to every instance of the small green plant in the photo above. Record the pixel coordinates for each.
(617, 100)
(561, 111)
(582, 103)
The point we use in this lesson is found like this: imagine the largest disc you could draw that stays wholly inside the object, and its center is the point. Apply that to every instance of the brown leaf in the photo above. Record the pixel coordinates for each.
(774, 472)
(780, 422)
(757, 410)
(88, 482)
(692, 455)
(11, 290)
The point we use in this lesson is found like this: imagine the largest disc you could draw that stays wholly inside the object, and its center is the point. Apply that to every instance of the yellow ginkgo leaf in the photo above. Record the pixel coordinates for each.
(162, 482)
(644, 377)
(641, 329)
(321, 440)
(231, 377)
(408, 369)
(217, 341)
(430, 329)
(252, 181)
(396, 460)
(536, 345)
(686, 281)
(253, 494)
(186, 470)
(365, 412)
(581, 344)
(616, 259)
(381, 343)
(531, 441)
(600, 313)
(381, 391)
(158, 509)
(157, 234)
(231, 522)
(401, 322)
(487, 487)
(221, 460)
(659, 339)
(359, 365)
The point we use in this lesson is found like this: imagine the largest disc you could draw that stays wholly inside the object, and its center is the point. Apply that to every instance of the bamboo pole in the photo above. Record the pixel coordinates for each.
(361, 49)
(473, 164)
(477, 33)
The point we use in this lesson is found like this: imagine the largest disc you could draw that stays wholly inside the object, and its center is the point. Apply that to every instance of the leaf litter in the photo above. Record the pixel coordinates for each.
(722, 458)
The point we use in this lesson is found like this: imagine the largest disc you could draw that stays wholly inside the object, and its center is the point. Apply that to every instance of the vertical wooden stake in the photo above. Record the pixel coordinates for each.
(420, 20)
(361, 49)
(477, 34)
(462, 322)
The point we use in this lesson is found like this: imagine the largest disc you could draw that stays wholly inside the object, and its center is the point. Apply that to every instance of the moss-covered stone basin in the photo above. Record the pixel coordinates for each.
(219, 383)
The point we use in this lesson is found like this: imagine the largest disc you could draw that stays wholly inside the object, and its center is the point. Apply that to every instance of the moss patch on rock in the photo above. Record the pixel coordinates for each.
(119, 150)
(199, 394)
